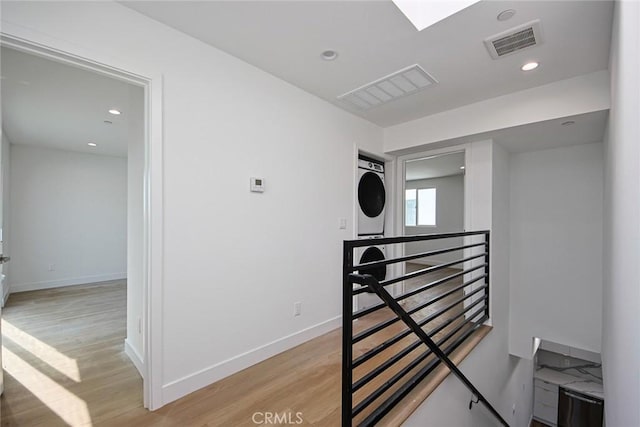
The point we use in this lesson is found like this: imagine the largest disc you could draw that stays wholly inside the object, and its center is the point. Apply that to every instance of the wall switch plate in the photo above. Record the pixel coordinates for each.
(297, 308)
(52, 267)
(343, 223)
(257, 185)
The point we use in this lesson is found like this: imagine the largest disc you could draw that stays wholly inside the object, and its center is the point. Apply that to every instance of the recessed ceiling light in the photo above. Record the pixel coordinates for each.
(92, 144)
(568, 123)
(529, 66)
(329, 55)
(462, 167)
(115, 112)
(506, 14)
(108, 122)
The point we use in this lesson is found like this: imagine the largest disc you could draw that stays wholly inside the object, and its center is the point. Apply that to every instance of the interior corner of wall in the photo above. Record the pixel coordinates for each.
(521, 347)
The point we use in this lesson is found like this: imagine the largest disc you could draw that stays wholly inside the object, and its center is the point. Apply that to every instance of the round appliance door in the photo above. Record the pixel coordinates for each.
(371, 194)
(370, 255)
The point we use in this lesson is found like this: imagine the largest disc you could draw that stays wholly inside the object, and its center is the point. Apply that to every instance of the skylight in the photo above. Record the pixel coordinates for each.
(425, 13)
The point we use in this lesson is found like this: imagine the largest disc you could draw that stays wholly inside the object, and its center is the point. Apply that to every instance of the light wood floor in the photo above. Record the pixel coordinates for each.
(64, 359)
(303, 380)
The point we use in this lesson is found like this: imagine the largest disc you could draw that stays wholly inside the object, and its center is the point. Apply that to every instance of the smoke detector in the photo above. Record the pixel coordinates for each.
(396, 85)
(515, 39)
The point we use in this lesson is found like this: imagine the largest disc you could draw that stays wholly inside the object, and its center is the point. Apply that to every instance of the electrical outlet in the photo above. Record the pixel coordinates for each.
(513, 409)
(297, 308)
(52, 267)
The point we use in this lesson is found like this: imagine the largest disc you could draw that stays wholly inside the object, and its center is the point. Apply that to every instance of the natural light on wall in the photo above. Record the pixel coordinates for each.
(424, 13)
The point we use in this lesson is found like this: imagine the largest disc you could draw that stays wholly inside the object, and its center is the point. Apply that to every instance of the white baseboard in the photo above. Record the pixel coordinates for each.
(135, 357)
(34, 286)
(190, 383)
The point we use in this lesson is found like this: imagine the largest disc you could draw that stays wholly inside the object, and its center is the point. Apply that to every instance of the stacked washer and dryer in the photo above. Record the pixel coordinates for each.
(371, 209)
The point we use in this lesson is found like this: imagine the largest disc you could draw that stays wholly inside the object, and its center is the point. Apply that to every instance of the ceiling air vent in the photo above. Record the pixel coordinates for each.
(401, 83)
(515, 39)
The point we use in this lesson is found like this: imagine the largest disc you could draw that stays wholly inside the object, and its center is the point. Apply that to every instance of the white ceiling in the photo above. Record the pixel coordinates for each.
(46, 103)
(374, 39)
(50, 104)
(588, 128)
(435, 166)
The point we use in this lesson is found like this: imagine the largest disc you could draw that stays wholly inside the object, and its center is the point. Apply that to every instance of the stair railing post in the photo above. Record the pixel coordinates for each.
(347, 331)
(487, 261)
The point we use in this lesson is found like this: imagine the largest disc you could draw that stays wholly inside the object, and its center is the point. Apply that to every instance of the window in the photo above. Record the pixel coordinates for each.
(420, 207)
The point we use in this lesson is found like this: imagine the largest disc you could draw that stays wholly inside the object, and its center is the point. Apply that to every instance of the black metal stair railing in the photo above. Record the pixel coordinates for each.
(388, 364)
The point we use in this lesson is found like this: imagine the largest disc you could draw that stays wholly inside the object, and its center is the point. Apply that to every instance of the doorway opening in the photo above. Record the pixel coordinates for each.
(433, 203)
(432, 193)
(76, 291)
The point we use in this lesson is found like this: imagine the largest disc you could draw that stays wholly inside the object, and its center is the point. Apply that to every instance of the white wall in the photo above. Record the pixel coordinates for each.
(449, 217)
(67, 209)
(577, 95)
(234, 261)
(5, 165)
(556, 247)
(503, 379)
(621, 296)
(135, 231)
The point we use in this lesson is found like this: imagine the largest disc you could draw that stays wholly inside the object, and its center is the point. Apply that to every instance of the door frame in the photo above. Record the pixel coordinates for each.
(153, 191)
(401, 172)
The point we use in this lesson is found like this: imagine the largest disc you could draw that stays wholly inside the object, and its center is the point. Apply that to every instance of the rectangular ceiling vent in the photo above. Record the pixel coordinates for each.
(514, 39)
(401, 83)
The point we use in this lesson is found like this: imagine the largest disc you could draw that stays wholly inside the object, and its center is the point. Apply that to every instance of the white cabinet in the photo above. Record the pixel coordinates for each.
(545, 403)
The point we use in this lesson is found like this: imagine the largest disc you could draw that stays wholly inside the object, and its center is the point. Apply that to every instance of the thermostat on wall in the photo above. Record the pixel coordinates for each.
(257, 185)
